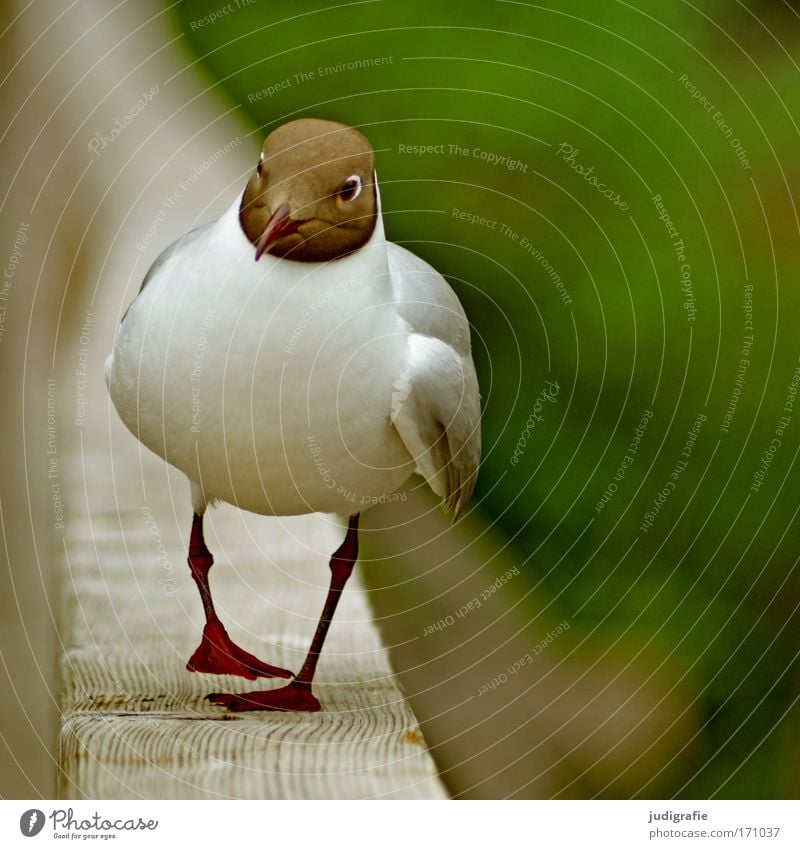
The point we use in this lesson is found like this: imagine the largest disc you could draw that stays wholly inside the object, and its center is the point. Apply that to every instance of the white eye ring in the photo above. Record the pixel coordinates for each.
(352, 179)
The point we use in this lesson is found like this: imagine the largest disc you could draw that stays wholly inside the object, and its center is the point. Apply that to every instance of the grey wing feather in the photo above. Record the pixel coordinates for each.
(166, 254)
(439, 416)
(183, 242)
(426, 301)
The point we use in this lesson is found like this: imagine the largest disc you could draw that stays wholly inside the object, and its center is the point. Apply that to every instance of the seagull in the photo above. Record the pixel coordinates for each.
(288, 359)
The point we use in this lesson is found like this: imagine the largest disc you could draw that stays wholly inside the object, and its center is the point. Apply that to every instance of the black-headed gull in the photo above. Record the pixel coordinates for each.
(288, 359)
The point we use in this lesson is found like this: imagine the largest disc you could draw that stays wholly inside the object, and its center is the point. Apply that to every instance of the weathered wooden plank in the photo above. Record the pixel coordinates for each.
(135, 722)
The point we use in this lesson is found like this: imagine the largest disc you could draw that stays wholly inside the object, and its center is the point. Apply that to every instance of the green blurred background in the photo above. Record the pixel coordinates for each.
(696, 104)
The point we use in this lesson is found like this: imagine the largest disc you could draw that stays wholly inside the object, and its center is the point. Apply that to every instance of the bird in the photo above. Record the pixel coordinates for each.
(288, 359)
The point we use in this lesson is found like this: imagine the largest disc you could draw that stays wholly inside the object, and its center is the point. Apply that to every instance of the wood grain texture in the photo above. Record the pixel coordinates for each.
(134, 721)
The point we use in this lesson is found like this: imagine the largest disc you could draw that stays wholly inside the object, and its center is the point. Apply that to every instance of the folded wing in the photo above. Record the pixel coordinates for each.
(436, 406)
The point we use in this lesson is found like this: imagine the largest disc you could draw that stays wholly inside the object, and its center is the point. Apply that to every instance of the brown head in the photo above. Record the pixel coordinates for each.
(312, 196)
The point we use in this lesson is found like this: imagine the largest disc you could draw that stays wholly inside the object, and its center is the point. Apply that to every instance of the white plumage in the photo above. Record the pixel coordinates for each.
(293, 387)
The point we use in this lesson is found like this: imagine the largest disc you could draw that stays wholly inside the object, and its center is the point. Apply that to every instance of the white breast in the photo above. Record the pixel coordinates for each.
(270, 384)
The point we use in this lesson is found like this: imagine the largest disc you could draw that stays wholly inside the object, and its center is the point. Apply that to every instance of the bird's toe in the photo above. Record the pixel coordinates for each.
(293, 697)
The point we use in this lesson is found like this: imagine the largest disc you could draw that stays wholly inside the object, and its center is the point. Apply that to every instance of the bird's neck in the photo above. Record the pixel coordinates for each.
(362, 276)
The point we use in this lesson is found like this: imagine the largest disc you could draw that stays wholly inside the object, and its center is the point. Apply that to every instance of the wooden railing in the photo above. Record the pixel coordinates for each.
(135, 722)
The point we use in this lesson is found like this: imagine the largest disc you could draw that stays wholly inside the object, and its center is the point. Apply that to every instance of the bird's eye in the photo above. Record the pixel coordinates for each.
(351, 188)
(260, 166)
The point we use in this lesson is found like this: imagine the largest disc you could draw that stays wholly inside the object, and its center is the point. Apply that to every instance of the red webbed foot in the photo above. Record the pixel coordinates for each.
(218, 654)
(294, 696)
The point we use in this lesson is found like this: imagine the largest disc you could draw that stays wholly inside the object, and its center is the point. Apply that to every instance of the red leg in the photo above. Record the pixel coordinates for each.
(217, 653)
(298, 695)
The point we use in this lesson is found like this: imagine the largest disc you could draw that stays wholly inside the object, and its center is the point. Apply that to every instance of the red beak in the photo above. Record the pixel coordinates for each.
(279, 225)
